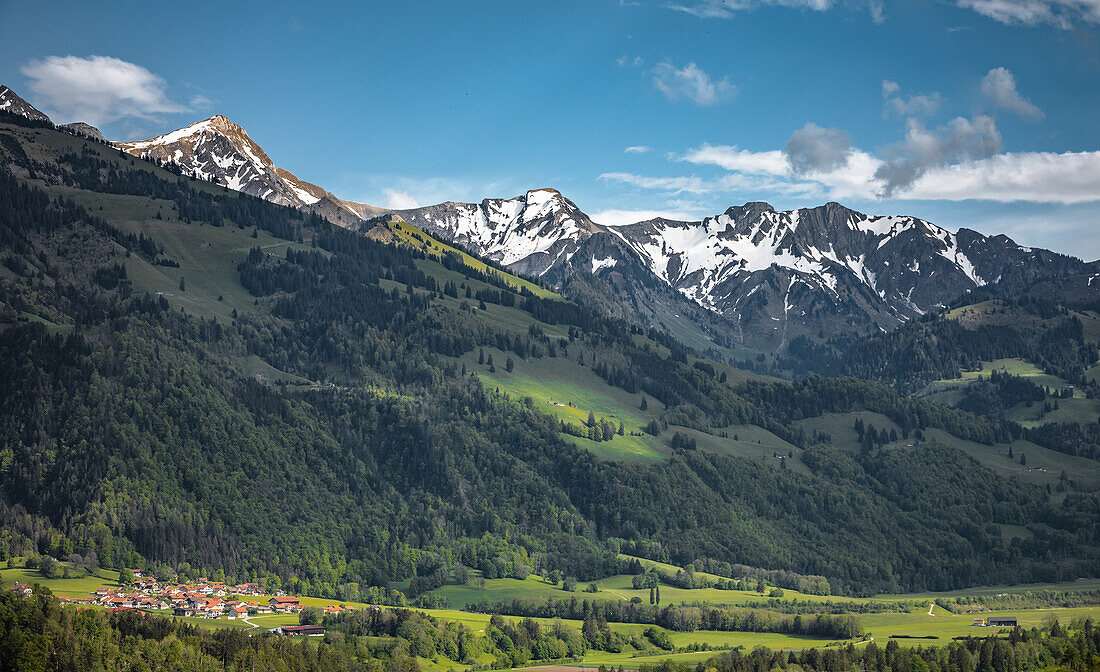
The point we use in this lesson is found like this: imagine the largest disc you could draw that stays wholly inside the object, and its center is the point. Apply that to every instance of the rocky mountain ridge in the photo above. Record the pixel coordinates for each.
(750, 275)
(771, 274)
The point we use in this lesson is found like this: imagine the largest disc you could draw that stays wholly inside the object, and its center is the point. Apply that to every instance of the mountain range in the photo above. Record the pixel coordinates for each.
(750, 276)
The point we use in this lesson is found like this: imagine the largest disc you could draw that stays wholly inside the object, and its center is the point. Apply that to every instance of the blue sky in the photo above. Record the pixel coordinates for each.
(978, 113)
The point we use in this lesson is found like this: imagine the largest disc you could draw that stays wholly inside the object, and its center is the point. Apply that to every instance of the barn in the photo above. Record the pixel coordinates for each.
(995, 621)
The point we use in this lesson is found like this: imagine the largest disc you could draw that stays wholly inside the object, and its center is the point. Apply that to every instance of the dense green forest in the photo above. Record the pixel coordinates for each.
(1041, 330)
(130, 432)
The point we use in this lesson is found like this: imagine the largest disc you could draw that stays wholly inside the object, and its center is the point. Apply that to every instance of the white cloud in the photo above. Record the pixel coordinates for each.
(772, 171)
(399, 191)
(637, 149)
(625, 61)
(724, 9)
(623, 217)
(1060, 13)
(1040, 177)
(1000, 86)
(693, 83)
(675, 185)
(878, 11)
(741, 160)
(98, 89)
(889, 88)
(399, 200)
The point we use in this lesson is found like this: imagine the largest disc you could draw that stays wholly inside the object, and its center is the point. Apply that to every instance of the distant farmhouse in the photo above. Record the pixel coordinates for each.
(996, 622)
(300, 630)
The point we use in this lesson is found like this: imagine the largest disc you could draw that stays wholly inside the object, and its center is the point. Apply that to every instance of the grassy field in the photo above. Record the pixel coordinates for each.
(914, 622)
(78, 587)
(564, 389)
(1076, 409)
(568, 391)
(945, 625)
(414, 237)
(1044, 466)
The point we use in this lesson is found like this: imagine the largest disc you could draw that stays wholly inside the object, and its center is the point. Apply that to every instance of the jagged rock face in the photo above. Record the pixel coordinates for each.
(86, 130)
(530, 233)
(219, 151)
(11, 102)
(772, 275)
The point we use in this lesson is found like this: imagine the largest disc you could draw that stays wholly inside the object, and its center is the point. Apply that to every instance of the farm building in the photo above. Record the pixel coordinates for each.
(994, 621)
(300, 630)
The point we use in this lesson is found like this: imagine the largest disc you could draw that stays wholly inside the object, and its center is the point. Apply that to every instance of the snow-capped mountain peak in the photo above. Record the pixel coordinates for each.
(11, 102)
(828, 266)
(531, 232)
(220, 151)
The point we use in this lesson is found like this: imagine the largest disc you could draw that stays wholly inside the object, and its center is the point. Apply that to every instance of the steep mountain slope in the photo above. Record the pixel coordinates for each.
(529, 233)
(829, 267)
(771, 275)
(545, 235)
(11, 102)
(308, 405)
(219, 151)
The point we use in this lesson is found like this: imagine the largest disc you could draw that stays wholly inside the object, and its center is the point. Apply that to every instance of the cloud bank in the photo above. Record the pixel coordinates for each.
(98, 89)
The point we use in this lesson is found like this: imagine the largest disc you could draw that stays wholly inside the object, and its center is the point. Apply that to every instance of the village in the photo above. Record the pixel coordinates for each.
(203, 599)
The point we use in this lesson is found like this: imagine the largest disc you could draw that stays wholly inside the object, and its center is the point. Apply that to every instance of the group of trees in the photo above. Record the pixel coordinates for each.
(1056, 647)
(936, 347)
(680, 618)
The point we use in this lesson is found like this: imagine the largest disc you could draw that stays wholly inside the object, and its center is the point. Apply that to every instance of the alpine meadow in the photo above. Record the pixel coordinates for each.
(604, 358)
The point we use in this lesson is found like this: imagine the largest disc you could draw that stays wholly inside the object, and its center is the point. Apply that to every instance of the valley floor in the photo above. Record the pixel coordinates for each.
(910, 620)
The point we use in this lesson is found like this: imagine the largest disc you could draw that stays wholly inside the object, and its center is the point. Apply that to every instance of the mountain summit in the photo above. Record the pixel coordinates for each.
(220, 151)
(528, 233)
(11, 102)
